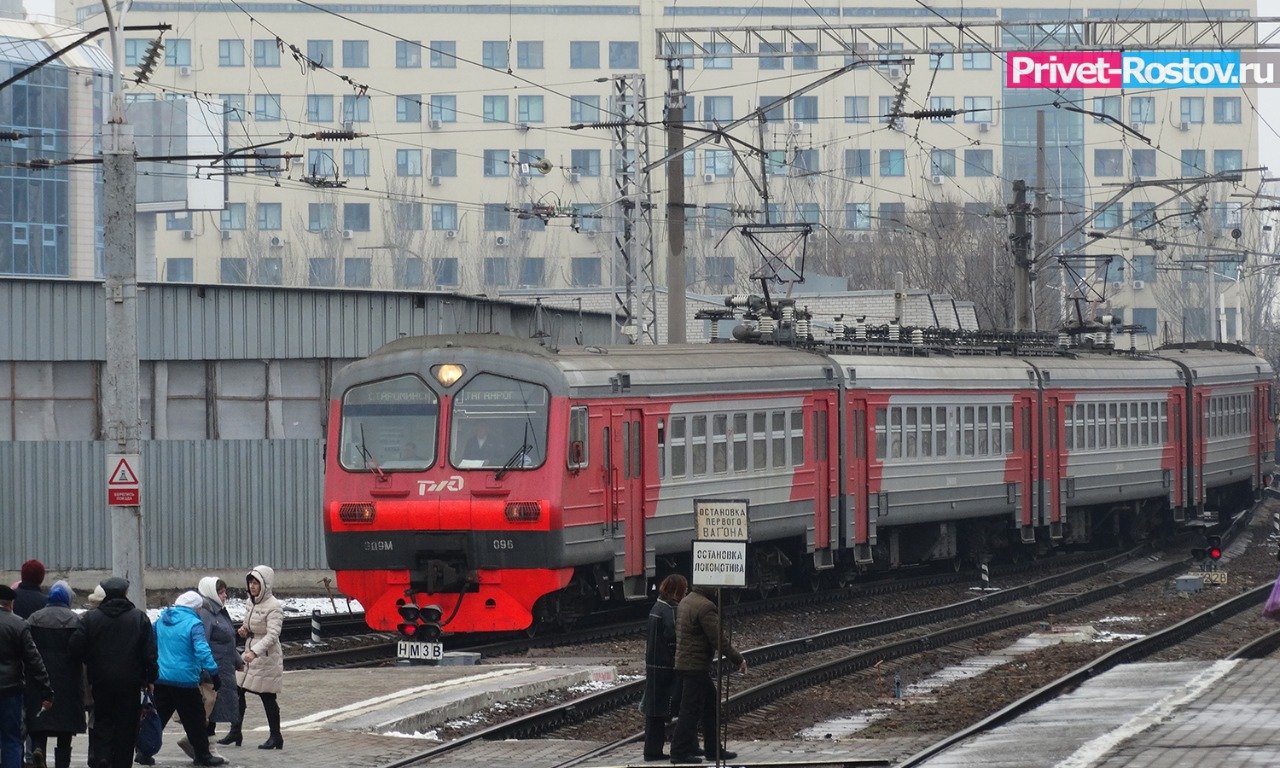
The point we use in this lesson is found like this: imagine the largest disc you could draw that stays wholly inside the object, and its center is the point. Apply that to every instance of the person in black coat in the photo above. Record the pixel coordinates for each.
(20, 667)
(30, 596)
(118, 648)
(661, 684)
(51, 629)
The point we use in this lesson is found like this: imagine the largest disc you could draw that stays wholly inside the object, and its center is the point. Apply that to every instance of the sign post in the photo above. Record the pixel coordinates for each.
(720, 560)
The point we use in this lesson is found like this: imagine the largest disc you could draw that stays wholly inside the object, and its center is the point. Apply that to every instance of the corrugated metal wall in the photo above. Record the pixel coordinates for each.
(217, 504)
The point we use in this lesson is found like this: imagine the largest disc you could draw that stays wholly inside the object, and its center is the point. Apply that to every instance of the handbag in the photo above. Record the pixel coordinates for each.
(150, 729)
(1271, 609)
(209, 697)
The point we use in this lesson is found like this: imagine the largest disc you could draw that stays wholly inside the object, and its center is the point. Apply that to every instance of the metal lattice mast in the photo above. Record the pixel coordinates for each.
(634, 244)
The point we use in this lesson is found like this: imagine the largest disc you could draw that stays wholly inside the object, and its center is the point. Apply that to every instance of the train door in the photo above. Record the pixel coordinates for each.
(857, 533)
(1027, 475)
(626, 489)
(1197, 442)
(822, 481)
(1258, 432)
(1055, 465)
(1175, 479)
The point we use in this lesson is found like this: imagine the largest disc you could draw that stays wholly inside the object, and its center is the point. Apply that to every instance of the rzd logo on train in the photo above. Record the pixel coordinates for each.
(427, 486)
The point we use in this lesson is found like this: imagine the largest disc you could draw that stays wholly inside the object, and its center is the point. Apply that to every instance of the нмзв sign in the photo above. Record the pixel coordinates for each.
(720, 519)
(719, 563)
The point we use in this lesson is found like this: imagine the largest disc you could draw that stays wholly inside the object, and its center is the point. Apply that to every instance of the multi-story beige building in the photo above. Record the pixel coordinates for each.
(457, 104)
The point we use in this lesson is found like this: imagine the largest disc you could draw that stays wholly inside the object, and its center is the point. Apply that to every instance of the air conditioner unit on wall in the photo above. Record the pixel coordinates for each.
(347, 234)
(708, 177)
(936, 178)
(450, 234)
(1184, 126)
(894, 72)
(226, 234)
(435, 181)
(276, 241)
(984, 127)
(573, 177)
(184, 71)
(1139, 285)
(188, 235)
(500, 240)
(434, 124)
(1116, 285)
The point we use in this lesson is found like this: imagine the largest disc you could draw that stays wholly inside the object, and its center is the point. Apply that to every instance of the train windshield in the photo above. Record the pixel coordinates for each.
(499, 422)
(389, 425)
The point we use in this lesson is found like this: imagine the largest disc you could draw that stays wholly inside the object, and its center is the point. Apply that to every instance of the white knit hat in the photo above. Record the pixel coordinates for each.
(189, 599)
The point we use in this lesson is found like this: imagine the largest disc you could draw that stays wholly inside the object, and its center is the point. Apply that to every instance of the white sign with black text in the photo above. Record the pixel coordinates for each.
(719, 563)
(720, 519)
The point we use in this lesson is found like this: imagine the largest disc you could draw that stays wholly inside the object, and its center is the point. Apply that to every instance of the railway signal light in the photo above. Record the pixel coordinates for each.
(1214, 547)
(1199, 553)
(419, 622)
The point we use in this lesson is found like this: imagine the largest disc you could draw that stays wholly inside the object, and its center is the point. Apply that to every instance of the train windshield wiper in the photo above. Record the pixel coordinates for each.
(369, 461)
(516, 458)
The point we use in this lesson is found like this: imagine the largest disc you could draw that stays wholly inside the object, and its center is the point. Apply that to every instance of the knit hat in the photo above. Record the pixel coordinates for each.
(116, 586)
(189, 599)
(95, 598)
(7, 593)
(60, 594)
(33, 572)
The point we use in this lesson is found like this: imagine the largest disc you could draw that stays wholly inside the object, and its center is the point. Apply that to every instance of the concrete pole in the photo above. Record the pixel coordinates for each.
(122, 425)
(677, 277)
(1041, 206)
(1021, 259)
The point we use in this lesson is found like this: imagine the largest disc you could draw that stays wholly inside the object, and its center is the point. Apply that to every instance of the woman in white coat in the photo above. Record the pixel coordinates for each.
(263, 672)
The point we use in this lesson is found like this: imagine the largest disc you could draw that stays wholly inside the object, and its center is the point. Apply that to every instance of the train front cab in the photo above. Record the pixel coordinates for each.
(439, 484)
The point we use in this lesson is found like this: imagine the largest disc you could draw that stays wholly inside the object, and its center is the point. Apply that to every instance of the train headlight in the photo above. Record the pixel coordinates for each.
(523, 511)
(356, 513)
(448, 373)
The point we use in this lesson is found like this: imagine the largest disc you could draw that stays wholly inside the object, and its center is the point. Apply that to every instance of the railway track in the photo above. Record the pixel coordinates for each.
(605, 702)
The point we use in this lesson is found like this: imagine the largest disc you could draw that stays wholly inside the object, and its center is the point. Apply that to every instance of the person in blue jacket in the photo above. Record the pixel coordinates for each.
(185, 659)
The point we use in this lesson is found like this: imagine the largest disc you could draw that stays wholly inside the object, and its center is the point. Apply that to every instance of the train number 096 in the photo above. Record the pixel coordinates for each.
(504, 544)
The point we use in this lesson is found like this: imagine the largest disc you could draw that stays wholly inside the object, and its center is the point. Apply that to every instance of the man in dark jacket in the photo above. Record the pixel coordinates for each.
(20, 667)
(118, 648)
(698, 634)
(31, 597)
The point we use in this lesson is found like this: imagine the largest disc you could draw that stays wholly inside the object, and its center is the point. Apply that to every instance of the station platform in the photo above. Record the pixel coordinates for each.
(1134, 716)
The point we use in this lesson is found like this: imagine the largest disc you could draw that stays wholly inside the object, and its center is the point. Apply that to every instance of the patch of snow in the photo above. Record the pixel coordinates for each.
(591, 685)
(292, 606)
(1117, 620)
(426, 735)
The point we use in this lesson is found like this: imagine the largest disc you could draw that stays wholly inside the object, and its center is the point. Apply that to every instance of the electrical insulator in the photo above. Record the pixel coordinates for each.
(149, 61)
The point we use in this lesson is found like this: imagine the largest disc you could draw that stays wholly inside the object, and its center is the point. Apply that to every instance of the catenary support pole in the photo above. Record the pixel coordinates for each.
(677, 279)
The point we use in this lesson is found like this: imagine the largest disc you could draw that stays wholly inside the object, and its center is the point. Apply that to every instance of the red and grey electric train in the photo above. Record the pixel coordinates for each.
(507, 483)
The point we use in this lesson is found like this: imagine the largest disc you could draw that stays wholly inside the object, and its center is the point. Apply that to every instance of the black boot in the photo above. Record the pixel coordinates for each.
(62, 757)
(275, 741)
(272, 708)
(233, 736)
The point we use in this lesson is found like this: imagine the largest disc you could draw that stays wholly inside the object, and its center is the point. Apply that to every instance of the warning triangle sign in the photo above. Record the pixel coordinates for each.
(123, 474)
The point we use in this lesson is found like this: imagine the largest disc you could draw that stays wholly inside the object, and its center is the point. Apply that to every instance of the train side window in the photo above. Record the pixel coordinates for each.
(578, 449)
(699, 450)
(1122, 419)
(967, 430)
(944, 435)
(882, 434)
(1008, 429)
(927, 434)
(719, 443)
(1133, 424)
(636, 463)
(759, 440)
(662, 449)
(997, 431)
(1145, 420)
(820, 435)
(895, 433)
(1164, 422)
(912, 430)
(1080, 443)
(678, 446)
(1113, 424)
(740, 442)
(778, 444)
(797, 438)
(1069, 427)
(1091, 425)
(1053, 428)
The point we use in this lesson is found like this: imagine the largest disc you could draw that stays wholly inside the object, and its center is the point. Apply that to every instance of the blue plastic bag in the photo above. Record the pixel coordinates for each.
(150, 729)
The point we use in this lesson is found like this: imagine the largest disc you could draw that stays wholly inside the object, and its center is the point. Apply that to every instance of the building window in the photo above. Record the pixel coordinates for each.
(977, 109)
(134, 50)
(893, 162)
(496, 217)
(408, 54)
(1227, 160)
(1108, 162)
(979, 162)
(529, 54)
(322, 271)
(355, 108)
(408, 162)
(320, 163)
(527, 158)
(320, 217)
(266, 53)
(857, 109)
(1142, 109)
(355, 53)
(942, 104)
(975, 57)
(233, 217)
(809, 213)
(321, 52)
(718, 162)
(356, 273)
(892, 216)
(444, 216)
(718, 62)
(320, 109)
(799, 62)
(495, 162)
(529, 109)
(532, 271)
(770, 62)
(177, 52)
(493, 54)
(857, 163)
(407, 217)
(444, 162)
(584, 109)
(1191, 109)
(231, 53)
(355, 216)
(717, 109)
(584, 54)
(496, 109)
(1106, 105)
(234, 270)
(886, 109)
(180, 270)
(1144, 163)
(1109, 217)
(444, 54)
(585, 162)
(1147, 318)
(355, 162)
(445, 271)
(584, 271)
(235, 109)
(174, 221)
(1226, 109)
(409, 109)
(942, 162)
(270, 217)
(805, 109)
(495, 271)
(589, 217)
(444, 108)
(1144, 217)
(857, 215)
(266, 107)
(806, 162)
(1193, 162)
(624, 54)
